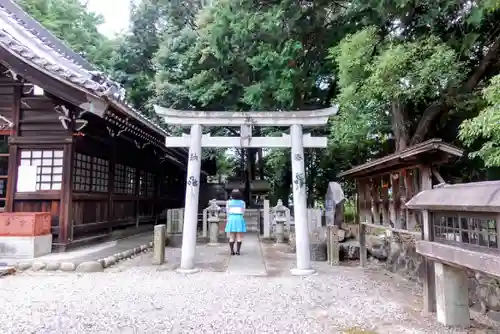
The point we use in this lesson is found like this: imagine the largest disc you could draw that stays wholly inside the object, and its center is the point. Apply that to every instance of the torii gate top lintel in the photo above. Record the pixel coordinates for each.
(318, 117)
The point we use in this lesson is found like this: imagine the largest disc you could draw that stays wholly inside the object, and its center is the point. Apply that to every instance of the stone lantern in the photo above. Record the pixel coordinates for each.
(280, 220)
(213, 220)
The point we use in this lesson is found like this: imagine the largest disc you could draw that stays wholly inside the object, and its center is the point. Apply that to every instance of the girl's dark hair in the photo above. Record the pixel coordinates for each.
(236, 194)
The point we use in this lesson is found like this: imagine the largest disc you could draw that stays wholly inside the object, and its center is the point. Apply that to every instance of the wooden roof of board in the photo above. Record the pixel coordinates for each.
(403, 158)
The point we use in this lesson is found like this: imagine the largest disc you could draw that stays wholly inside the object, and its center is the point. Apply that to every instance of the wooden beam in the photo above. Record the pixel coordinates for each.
(37, 141)
(66, 213)
(13, 150)
(111, 185)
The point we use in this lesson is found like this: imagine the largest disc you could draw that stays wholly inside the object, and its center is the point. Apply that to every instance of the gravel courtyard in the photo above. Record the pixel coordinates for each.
(136, 297)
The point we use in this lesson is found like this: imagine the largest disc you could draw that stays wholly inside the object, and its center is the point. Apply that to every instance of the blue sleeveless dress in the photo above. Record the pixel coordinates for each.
(235, 221)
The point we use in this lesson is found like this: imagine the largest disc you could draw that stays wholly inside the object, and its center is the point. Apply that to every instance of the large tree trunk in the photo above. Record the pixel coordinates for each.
(444, 104)
(399, 125)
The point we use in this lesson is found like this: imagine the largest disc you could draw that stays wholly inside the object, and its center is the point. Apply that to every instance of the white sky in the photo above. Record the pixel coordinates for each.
(115, 12)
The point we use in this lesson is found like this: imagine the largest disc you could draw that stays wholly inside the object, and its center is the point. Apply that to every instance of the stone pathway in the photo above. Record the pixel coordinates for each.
(137, 297)
(251, 261)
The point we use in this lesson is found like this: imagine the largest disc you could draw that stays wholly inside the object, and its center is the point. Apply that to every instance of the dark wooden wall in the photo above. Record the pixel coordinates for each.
(81, 212)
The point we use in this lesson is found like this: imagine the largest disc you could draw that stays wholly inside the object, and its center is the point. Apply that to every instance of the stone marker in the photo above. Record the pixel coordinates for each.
(159, 244)
(89, 267)
(334, 204)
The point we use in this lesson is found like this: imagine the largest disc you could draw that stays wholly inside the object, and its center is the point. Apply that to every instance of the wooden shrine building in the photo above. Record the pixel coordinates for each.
(384, 185)
(71, 146)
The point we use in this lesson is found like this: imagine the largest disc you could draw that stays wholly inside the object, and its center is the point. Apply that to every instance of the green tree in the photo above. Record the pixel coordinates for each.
(72, 22)
(249, 56)
(485, 127)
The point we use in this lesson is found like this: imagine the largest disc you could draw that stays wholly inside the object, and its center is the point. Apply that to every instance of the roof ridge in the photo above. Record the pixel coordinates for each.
(21, 16)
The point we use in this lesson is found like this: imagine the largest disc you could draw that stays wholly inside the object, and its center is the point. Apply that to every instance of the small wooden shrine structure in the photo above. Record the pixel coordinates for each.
(384, 185)
(69, 143)
(460, 235)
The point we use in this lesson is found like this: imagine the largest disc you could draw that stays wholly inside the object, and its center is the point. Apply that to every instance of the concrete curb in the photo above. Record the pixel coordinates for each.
(87, 266)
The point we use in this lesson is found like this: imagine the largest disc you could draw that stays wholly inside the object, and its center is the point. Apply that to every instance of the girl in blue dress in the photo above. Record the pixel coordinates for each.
(236, 226)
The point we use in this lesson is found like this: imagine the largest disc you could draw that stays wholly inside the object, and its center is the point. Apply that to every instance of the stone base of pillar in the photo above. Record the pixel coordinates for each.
(302, 272)
(452, 295)
(188, 271)
(214, 244)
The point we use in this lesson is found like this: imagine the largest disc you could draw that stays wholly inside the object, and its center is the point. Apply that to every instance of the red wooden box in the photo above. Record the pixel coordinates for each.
(25, 224)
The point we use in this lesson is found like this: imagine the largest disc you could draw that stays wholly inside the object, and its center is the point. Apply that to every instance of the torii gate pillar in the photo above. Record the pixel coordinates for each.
(296, 140)
(191, 201)
(300, 204)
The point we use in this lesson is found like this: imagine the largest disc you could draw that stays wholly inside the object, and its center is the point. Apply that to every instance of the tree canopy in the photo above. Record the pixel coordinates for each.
(71, 21)
(401, 71)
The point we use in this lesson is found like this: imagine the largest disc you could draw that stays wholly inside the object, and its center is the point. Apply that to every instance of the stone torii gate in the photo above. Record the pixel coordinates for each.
(246, 121)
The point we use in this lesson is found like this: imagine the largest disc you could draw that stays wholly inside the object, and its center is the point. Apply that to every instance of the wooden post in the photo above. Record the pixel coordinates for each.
(428, 235)
(66, 212)
(111, 186)
(363, 258)
(384, 184)
(13, 151)
(396, 199)
(375, 189)
(333, 247)
(137, 193)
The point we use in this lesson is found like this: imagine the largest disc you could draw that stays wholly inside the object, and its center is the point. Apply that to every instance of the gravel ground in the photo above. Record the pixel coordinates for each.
(139, 298)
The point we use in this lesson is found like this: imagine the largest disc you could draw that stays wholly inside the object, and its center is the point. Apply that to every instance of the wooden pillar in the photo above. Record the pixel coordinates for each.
(395, 208)
(411, 219)
(137, 194)
(375, 195)
(66, 212)
(111, 186)
(156, 183)
(13, 150)
(368, 201)
(428, 235)
(385, 184)
(362, 200)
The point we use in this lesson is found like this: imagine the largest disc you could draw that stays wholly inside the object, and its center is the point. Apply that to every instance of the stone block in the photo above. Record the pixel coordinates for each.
(318, 251)
(452, 295)
(89, 267)
(25, 247)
